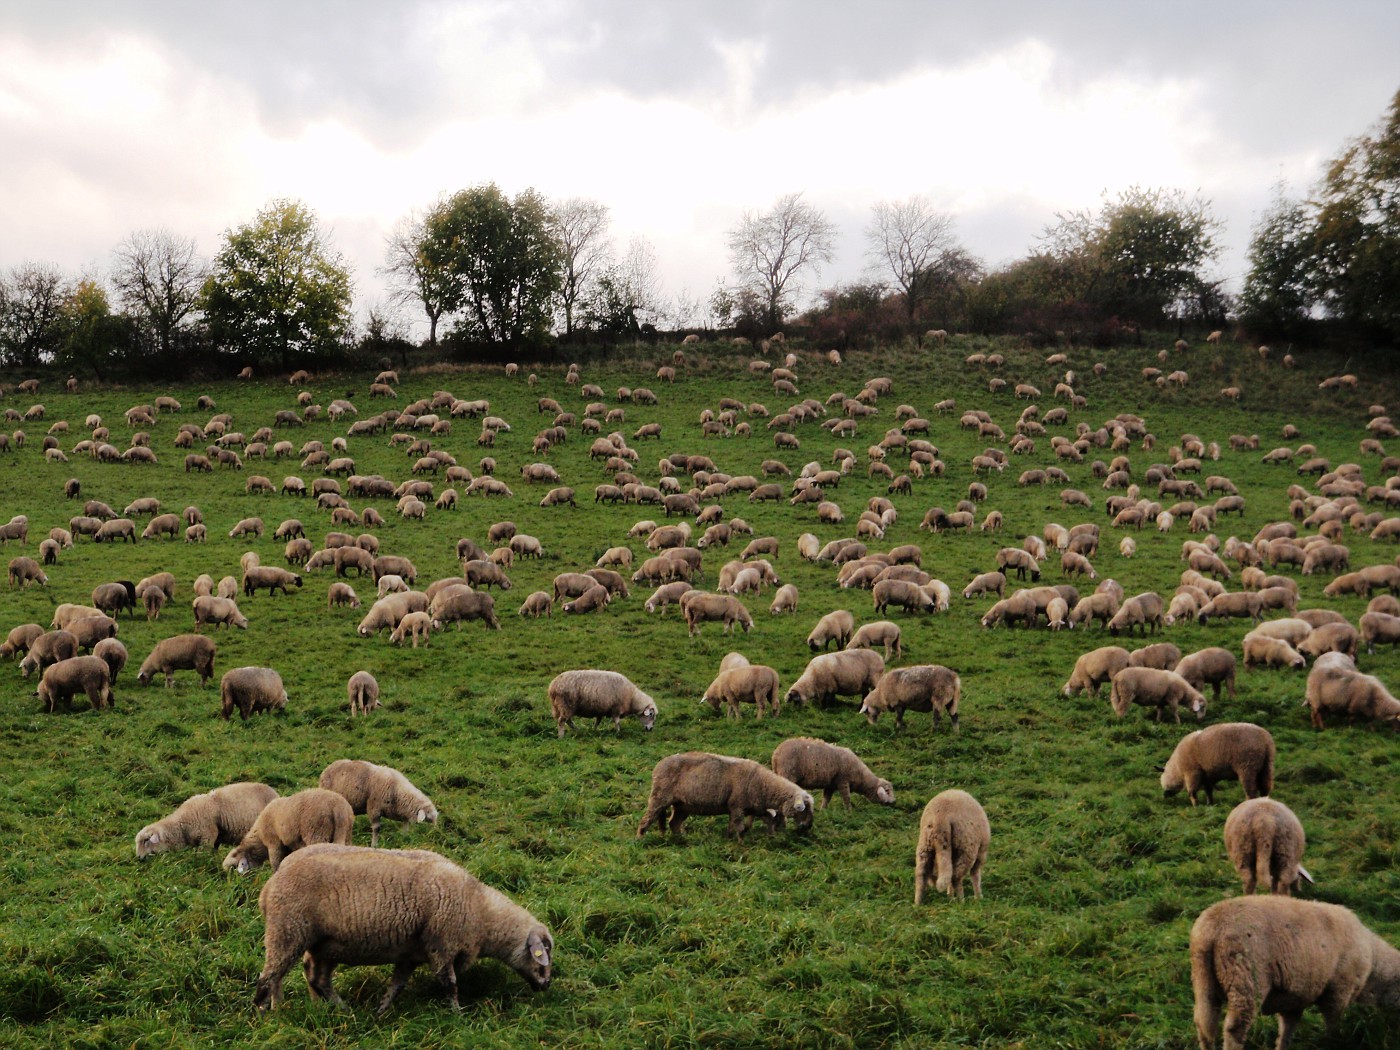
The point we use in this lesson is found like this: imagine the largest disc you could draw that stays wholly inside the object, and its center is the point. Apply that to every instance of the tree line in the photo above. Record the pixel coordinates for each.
(484, 270)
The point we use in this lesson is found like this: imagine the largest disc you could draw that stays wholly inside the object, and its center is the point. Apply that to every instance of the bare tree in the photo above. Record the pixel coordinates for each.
(908, 240)
(581, 225)
(158, 277)
(768, 249)
(642, 279)
(414, 278)
(31, 303)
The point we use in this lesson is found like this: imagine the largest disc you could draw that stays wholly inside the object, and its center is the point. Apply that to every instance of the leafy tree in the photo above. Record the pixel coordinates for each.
(502, 260)
(1141, 257)
(278, 290)
(414, 276)
(769, 249)
(914, 244)
(158, 278)
(31, 300)
(581, 227)
(93, 338)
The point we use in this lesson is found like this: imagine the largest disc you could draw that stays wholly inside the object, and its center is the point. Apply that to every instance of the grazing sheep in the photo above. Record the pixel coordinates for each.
(363, 692)
(1379, 627)
(953, 838)
(413, 626)
(1281, 955)
(251, 690)
(538, 604)
(1265, 842)
(24, 570)
(751, 684)
(1149, 687)
(700, 606)
(597, 695)
(338, 905)
(183, 652)
(814, 764)
(271, 577)
(20, 639)
(986, 583)
(341, 593)
(290, 822)
(215, 818)
(879, 632)
(1230, 750)
(460, 605)
(1330, 638)
(1141, 610)
(1164, 656)
(852, 672)
(784, 600)
(88, 675)
(1094, 668)
(113, 653)
(379, 792)
(922, 687)
(1214, 665)
(217, 611)
(1262, 650)
(702, 784)
(1345, 691)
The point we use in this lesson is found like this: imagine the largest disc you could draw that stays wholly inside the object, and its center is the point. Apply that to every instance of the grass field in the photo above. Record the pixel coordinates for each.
(1093, 879)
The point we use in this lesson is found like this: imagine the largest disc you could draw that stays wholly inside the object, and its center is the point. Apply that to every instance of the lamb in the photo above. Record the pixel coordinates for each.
(347, 905)
(218, 611)
(215, 818)
(597, 695)
(379, 792)
(923, 687)
(1214, 665)
(752, 684)
(290, 822)
(183, 652)
(89, 675)
(814, 764)
(1282, 955)
(703, 784)
(836, 626)
(1230, 750)
(953, 838)
(363, 692)
(1150, 687)
(20, 639)
(414, 625)
(1094, 668)
(1265, 842)
(252, 690)
(853, 672)
(1347, 692)
(113, 654)
(879, 632)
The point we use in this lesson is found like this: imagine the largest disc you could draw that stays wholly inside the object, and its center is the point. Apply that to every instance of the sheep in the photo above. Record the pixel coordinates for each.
(667, 594)
(251, 690)
(923, 687)
(1094, 668)
(215, 818)
(1141, 610)
(784, 600)
(24, 570)
(879, 632)
(1330, 638)
(1283, 955)
(89, 675)
(20, 639)
(1230, 750)
(1150, 687)
(183, 652)
(460, 605)
(414, 625)
(538, 604)
(596, 694)
(341, 593)
(1348, 692)
(289, 823)
(87, 631)
(1262, 650)
(753, 684)
(218, 611)
(703, 784)
(113, 653)
(700, 606)
(1101, 606)
(986, 583)
(343, 904)
(1379, 627)
(363, 692)
(596, 597)
(1164, 656)
(814, 764)
(1214, 665)
(853, 672)
(1265, 842)
(379, 792)
(954, 835)
(271, 577)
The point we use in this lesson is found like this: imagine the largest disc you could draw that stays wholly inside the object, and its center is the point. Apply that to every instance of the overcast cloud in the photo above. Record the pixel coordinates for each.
(122, 116)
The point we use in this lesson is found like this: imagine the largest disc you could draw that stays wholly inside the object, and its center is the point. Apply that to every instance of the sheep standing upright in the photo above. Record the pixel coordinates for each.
(379, 792)
(595, 694)
(346, 905)
(1282, 955)
(953, 837)
(702, 784)
(1265, 841)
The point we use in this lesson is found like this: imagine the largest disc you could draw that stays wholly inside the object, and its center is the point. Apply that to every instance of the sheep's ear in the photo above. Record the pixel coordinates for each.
(153, 838)
(774, 812)
(1304, 873)
(539, 948)
(1159, 769)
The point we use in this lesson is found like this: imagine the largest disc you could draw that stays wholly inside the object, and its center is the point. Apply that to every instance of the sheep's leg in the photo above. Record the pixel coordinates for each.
(318, 979)
(403, 969)
(1288, 1025)
(374, 831)
(976, 874)
(275, 855)
(1239, 1017)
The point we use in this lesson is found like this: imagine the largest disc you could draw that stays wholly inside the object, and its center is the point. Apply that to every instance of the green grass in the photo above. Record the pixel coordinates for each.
(796, 941)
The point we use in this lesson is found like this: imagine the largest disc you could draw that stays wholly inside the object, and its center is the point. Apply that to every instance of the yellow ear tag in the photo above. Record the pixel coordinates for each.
(539, 954)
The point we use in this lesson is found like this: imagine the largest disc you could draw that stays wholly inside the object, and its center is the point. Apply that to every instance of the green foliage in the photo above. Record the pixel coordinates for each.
(93, 338)
(278, 291)
(501, 260)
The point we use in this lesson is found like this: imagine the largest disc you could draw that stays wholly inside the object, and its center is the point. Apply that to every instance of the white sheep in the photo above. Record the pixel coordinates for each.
(215, 818)
(953, 838)
(288, 823)
(596, 694)
(1265, 841)
(379, 792)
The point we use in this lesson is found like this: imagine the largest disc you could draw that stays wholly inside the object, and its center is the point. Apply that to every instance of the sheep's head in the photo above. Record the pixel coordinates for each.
(884, 793)
(648, 717)
(800, 809)
(150, 840)
(427, 814)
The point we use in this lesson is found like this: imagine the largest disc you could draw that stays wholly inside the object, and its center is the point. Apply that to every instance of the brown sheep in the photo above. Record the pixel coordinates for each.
(1163, 656)
(1149, 687)
(954, 835)
(597, 695)
(754, 684)
(836, 626)
(702, 784)
(183, 652)
(923, 687)
(288, 823)
(251, 690)
(815, 764)
(1347, 692)
(216, 818)
(1262, 650)
(1230, 750)
(379, 792)
(879, 632)
(1094, 668)
(1214, 665)
(1265, 842)
(89, 675)
(852, 672)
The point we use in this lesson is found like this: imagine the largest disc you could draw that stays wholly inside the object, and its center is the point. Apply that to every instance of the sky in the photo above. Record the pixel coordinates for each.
(120, 116)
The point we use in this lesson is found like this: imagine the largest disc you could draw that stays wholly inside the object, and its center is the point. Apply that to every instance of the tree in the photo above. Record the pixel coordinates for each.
(31, 300)
(502, 260)
(641, 275)
(278, 290)
(769, 249)
(581, 227)
(158, 278)
(414, 277)
(1142, 256)
(93, 338)
(911, 242)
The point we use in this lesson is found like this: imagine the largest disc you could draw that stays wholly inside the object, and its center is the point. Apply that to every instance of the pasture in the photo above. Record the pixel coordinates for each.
(1093, 878)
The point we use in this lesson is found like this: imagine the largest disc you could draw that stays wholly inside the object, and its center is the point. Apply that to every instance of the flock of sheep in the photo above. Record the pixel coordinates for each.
(341, 904)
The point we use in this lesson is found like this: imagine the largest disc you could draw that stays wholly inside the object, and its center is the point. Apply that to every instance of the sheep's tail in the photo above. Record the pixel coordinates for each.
(1115, 697)
(1264, 859)
(1266, 775)
(943, 856)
